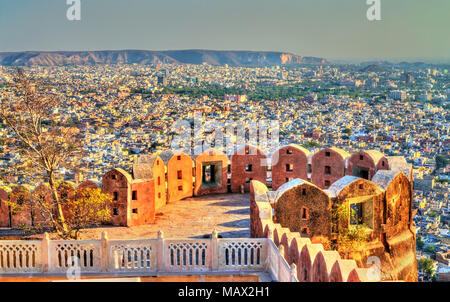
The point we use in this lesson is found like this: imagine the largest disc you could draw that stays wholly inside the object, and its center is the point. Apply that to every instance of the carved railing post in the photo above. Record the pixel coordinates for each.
(269, 249)
(45, 252)
(105, 253)
(280, 263)
(270, 234)
(294, 273)
(214, 251)
(160, 252)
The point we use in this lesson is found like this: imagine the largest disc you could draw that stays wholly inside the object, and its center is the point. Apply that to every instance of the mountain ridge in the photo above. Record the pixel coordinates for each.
(129, 56)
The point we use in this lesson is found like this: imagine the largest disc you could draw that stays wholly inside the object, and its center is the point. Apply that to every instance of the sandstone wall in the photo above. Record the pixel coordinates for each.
(327, 157)
(289, 155)
(395, 258)
(178, 164)
(312, 261)
(247, 163)
(220, 160)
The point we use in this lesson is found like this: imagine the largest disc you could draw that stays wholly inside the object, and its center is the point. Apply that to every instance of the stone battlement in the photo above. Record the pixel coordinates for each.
(159, 256)
(306, 187)
(306, 220)
(171, 176)
(309, 262)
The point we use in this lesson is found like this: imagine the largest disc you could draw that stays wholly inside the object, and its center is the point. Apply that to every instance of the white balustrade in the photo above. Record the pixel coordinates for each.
(145, 256)
(20, 256)
(132, 255)
(187, 255)
(272, 259)
(83, 254)
(284, 270)
(242, 254)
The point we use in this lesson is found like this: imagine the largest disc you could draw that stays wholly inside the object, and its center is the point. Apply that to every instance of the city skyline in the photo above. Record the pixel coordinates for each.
(409, 30)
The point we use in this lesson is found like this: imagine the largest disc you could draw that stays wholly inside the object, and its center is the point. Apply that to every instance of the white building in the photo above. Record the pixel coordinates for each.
(397, 95)
(426, 96)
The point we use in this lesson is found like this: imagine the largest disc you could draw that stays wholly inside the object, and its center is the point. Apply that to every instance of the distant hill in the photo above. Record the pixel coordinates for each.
(379, 67)
(213, 57)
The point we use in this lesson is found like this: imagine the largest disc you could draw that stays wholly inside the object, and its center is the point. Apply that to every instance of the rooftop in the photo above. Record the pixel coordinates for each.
(190, 218)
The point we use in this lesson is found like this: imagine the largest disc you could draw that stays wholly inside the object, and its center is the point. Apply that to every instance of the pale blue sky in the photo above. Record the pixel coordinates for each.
(410, 29)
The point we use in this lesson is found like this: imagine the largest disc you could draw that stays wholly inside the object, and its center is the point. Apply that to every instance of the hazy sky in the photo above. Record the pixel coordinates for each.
(409, 29)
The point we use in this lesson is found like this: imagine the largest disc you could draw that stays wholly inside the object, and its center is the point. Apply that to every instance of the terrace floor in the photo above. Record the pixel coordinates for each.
(193, 217)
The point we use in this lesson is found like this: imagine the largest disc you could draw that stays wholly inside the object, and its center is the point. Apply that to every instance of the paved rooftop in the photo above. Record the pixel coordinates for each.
(190, 218)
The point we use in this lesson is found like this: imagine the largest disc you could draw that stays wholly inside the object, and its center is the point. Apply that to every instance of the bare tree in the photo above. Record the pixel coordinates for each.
(43, 141)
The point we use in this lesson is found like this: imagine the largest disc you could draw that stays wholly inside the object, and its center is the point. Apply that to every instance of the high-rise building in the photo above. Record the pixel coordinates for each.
(407, 78)
(162, 80)
(425, 96)
(397, 95)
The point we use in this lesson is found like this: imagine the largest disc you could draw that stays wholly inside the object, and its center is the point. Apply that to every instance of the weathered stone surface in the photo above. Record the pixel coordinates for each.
(218, 163)
(289, 162)
(247, 163)
(386, 212)
(328, 165)
(190, 218)
(179, 176)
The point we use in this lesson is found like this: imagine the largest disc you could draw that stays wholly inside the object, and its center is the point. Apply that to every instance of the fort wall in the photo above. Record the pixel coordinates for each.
(247, 163)
(288, 163)
(310, 262)
(298, 216)
(172, 176)
(384, 203)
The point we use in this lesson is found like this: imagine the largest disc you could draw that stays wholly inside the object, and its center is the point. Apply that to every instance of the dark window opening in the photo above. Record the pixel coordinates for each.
(20, 200)
(115, 212)
(178, 157)
(115, 195)
(288, 151)
(135, 211)
(305, 232)
(327, 170)
(303, 192)
(159, 194)
(327, 154)
(212, 174)
(113, 176)
(327, 183)
(208, 174)
(361, 157)
(304, 213)
(361, 172)
(134, 195)
(159, 180)
(248, 168)
(180, 188)
(309, 168)
(180, 174)
(289, 167)
(361, 186)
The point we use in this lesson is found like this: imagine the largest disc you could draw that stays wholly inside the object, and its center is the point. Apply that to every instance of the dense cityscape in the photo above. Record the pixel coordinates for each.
(126, 110)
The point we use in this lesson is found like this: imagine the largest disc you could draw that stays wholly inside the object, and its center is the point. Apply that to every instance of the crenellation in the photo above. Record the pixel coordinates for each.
(382, 208)
(298, 216)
